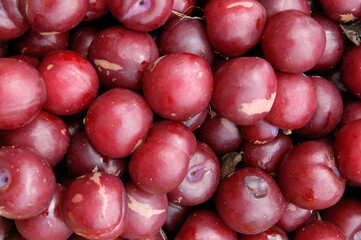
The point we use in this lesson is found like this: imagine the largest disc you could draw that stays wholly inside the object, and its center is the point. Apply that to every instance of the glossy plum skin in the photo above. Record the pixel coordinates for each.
(95, 206)
(249, 201)
(141, 15)
(335, 44)
(178, 86)
(219, 133)
(341, 11)
(244, 90)
(27, 183)
(268, 156)
(272, 233)
(345, 214)
(96, 9)
(319, 230)
(259, 133)
(26, 98)
(350, 70)
(47, 225)
(309, 178)
(146, 212)
(202, 178)
(46, 134)
(275, 6)
(54, 15)
(293, 217)
(83, 158)
(234, 27)
(293, 109)
(71, 82)
(38, 45)
(186, 35)
(328, 112)
(160, 164)
(120, 109)
(13, 23)
(205, 225)
(121, 56)
(347, 145)
(295, 47)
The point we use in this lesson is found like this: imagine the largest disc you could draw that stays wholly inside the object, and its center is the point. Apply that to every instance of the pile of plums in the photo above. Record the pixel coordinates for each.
(180, 119)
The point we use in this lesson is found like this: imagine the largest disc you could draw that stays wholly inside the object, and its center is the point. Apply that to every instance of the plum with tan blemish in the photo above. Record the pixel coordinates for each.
(249, 201)
(219, 133)
(117, 122)
(160, 164)
(146, 212)
(121, 56)
(83, 158)
(341, 11)
(47, 135)
(244, 89)
(27, 183)
(202, 178)
(71, 82)
(234, 27)
(309, 177)
(95, 205)
(47, 225)
(293, 109)
(178, 86)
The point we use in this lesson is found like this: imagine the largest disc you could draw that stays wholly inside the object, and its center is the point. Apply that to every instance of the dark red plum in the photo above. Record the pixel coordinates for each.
(178, 86)
(71, 82)
(249, 201)
(117, 122)
(202, 178)
(205, 225)
(234, 27)
(95, 206)
(22, 93)
(47, 225)
(121, 56)
(244, 90)
(47, 135)
(27, 183)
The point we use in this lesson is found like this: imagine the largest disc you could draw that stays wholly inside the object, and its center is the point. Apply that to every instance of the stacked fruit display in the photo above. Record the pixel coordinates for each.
(180, 119)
